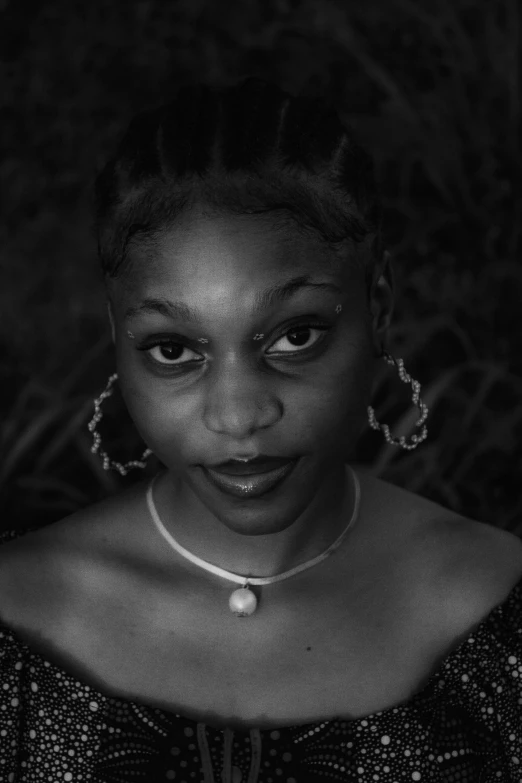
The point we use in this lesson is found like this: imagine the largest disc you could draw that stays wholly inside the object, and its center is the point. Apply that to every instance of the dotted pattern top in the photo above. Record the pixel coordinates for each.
(463, 726)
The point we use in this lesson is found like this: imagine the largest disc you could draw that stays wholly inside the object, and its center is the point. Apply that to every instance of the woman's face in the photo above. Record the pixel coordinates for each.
(302, 389)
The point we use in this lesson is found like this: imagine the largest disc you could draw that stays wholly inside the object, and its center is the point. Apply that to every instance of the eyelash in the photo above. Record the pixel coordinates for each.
(149, 345)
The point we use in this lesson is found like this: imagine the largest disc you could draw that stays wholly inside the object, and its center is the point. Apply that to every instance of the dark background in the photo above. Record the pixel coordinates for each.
(432, 89)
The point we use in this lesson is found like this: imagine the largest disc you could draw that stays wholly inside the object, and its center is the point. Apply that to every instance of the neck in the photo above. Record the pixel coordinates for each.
(248, 540)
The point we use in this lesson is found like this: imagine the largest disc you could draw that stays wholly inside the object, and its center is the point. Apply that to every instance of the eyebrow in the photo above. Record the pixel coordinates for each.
(263, 300)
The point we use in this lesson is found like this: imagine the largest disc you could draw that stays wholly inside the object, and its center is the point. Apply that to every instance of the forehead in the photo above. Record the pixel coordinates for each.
(230, 255)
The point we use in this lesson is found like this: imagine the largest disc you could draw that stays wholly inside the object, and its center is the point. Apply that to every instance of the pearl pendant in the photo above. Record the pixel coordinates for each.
(242, 602)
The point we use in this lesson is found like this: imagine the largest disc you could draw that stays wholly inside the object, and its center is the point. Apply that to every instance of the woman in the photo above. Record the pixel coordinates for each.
(260, 611)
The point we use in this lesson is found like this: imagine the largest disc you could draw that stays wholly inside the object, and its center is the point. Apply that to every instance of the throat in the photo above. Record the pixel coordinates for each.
(201, 539)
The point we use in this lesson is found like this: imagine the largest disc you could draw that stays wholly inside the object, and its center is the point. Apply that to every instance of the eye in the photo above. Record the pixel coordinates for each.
(297, 337)
(171, 351)
(168, 352)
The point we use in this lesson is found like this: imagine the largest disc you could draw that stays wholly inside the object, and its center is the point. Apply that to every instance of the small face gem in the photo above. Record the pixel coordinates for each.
(338, 308)
(131, 335)
(205, 340)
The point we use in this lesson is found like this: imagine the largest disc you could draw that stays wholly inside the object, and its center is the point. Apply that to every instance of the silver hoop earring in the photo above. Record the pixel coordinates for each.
(107, 462)
(415, 385)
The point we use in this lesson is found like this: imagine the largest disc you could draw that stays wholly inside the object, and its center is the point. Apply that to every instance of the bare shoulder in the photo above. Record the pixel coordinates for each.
(101, 522)
(477, 567)
(451, 570)
(65, 557)
(493, 554)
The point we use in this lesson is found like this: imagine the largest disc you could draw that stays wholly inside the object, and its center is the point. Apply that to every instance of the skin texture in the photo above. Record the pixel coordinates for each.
(248, 396)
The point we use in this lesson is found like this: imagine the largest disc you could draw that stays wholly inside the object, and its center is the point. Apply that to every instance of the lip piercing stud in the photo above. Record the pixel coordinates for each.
(259, 336)
(131, 335)
(202, 340)
(338, 308)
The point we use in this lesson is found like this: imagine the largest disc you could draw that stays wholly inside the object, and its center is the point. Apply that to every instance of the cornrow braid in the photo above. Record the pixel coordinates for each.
(247, 149)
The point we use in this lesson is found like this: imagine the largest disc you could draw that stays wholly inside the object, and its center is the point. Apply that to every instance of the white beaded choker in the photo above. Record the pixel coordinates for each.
(243, 602)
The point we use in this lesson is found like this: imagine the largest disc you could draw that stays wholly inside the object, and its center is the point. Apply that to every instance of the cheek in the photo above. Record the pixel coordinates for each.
(336, 406)
(167, 425)
(158, 417)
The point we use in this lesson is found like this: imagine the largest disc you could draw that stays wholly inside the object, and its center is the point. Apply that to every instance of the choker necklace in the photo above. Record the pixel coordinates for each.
(243, 601)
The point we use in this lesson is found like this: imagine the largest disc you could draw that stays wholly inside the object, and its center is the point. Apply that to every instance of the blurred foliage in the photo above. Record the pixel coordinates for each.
(432, 88)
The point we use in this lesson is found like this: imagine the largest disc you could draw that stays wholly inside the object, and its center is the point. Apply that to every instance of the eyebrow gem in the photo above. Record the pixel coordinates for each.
(205, 340)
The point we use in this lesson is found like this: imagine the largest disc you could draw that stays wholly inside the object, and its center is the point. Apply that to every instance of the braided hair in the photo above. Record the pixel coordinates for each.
(248, 149)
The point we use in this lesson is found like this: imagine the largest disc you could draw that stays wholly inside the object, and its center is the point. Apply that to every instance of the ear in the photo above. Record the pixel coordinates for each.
(382, 301)
(111, 319)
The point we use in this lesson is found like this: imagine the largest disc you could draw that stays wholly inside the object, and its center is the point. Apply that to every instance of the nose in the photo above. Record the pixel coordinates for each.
(239, 402)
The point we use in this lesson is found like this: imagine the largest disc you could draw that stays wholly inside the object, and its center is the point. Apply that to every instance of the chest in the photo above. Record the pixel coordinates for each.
(302, 657)
(348, 640)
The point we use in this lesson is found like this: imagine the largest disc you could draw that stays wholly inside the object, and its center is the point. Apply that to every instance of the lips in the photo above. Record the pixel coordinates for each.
(252, 485)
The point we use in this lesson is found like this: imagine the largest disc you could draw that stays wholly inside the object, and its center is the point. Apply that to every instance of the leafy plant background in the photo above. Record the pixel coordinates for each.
(431, 87)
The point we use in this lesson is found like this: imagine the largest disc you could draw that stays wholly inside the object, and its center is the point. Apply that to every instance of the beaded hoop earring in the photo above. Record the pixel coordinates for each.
(416, 387)
(98, 415)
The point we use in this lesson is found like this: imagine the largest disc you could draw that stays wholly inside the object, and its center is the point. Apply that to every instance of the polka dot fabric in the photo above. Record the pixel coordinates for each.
(464, 726)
